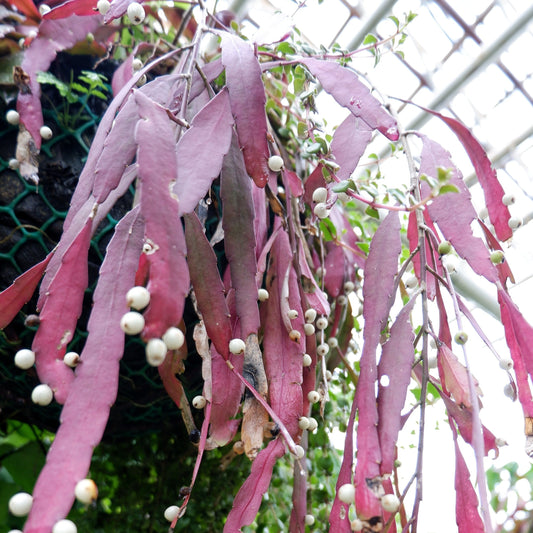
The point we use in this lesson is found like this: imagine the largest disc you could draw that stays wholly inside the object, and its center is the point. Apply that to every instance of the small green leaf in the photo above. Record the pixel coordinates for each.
(370, 39)
(342, 186)
(395, 20)
(371, 212)
(448, 188)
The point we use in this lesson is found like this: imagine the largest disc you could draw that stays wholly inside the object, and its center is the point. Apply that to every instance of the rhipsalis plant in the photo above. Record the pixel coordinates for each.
(245, 208)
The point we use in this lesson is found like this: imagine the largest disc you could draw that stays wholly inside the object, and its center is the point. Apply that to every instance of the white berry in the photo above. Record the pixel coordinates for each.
(236, 346)
(309, 520)
(333, 342)
(292, 314)
(509, 391)
(321, 210)
(306, 360)
(313, 424)
(103, 6)
(390, 502)
(310, 315)
(508, 199)
(275, 163)
(156, 351)
(142, 80)
(65, 526)
(309, 329)
(174, 338)
(294, 335)
(303, 422)
(199, 402)
(44, 9)
(322, 349)
(20, 504)
(46, 133)
(42, 395)
(461, 337)
(132, 323)
(346, 493)
(342, 300)
(13, 117)
(136, 13)
(322, 323)
(411, 282)
(136, 64)
(86, 491)
(320, 195)
(349, 286)
(24, 359)
(262, 295)
(171, 512)
(506, 363)
(138, 297)
(497, 257)
(71, 359)
(313, 396)
(14, 164)
(298, 452)
(515, 222)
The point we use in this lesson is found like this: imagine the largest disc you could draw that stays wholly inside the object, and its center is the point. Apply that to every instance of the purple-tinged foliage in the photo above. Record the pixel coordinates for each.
(54, 36)
(168, 272)
(239, 238)
(498, 212)
(380, 271)
(94, 390)
(466, 502)
(349, 143)
(60, 314)
(453, 212)
(350, 92)
(395, 363)
(20, 291)
(247, 97)
(201, 150)
(82, 8)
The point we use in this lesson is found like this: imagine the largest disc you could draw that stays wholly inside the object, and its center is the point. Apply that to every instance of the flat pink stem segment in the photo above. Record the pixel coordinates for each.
(168, 272)
(86, 411)
(201, 150)
(350, 92)
(349, 143)
(453, 212)
(239, 237)
(247, 97)
(498, 212)
(54, 36)
(72, 7)
(466, 502)
(60, 314)
(396, 360)
(20, 291)
(381, 268)
(207, 285)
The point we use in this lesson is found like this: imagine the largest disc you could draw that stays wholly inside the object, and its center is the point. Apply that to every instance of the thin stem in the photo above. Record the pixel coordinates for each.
(415, 189)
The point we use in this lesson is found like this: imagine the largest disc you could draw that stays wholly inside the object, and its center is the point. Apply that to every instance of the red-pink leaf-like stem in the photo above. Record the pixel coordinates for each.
(396, 360)
(201, 150)
(85, 414)
(60, 314)
(247, 97)
(348, 90)
(20, 291)
(381, 268)
(239, 238)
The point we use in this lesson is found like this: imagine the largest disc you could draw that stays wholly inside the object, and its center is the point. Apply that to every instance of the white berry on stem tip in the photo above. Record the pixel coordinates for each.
(171, 512)
(71, 359)
(313, 424)
(320, 195)
(12, 117)
(303, 422)
(461, 337)
(275, 163)
(310, 315)
(46, 133)
(25, 358)
(390, 503)
(313, 396)
(298, 452)
(138, 297)
(174, 338)
(132, 323)
(136, 13)
(42, 395)
(236, 346)
(321, 210)
(199, 402)
(346, 493)
(309, 519)
(262, 295)
(307, 360)
(20, 504)
(322, 349)
(309, 329)
(86, 491)
(103, 6)
(497, 257)
(65, 526)
(156, 351)
(292, 314)
(322, 323)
